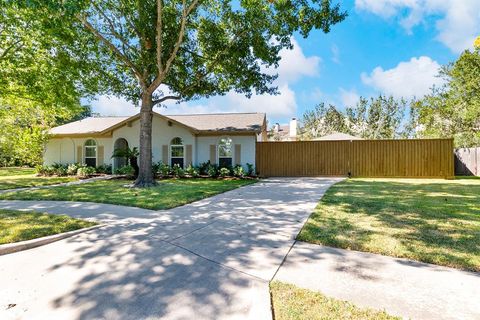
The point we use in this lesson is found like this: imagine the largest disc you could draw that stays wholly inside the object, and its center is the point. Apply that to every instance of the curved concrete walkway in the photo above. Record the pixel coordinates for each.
(402, 287)
(211, 259)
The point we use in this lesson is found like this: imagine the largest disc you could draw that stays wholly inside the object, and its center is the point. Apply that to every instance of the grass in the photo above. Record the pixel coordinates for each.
(25, 225)
(168, 194)
(293, 303)
(15, 177)
(434, 221)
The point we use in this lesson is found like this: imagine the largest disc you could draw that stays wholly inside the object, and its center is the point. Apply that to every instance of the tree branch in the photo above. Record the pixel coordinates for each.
(161, 76)
(112, 27)
(186, 12)
(163, 99)
(112, 47)
(159, 36)
(8, 49)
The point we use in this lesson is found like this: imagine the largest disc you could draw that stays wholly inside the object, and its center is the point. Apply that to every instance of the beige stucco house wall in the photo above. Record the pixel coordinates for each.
(200, 136)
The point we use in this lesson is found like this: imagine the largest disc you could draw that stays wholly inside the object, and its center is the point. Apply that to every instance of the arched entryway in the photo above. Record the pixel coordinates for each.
(120, 144)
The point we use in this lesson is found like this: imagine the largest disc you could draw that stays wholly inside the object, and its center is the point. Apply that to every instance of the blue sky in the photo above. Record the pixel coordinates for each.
(384, 46)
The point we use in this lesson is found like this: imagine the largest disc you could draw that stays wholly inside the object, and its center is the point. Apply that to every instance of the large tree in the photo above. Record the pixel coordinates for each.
(322, 120)
(453, 110)
(377, 118)
(39, 86)
(180, 50)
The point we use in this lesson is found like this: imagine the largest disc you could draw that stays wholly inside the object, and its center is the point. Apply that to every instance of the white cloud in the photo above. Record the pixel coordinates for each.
(349, 98)
(407, 79)
(293, 66)
(113, 106)
(457, 27)
(335, 54)
(281, 105)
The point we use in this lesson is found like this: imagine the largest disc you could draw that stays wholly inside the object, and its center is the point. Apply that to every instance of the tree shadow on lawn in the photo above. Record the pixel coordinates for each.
(201, 261)
(435, 222)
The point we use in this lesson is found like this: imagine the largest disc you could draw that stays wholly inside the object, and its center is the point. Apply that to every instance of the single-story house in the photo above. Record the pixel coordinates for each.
(226, 139)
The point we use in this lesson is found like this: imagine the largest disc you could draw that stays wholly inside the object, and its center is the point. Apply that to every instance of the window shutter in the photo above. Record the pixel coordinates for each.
(238, 154)
(188, 155)
(213, 154)
(165, 154)
(100, 155)
(79, 154)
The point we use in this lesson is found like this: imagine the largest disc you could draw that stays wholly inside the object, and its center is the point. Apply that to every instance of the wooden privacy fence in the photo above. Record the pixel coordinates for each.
(467, 161)
(358, 158)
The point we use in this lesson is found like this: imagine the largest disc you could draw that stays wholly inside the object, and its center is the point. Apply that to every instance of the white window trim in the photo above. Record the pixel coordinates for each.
(85, 151)
(232, 149)
(170, 151)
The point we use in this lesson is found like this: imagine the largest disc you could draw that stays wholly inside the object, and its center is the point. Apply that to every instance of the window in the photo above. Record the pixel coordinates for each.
(225, 153)
(177, 152)
(91, 153)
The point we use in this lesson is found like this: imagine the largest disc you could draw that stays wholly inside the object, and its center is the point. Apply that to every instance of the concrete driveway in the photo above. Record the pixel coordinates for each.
(211, 259)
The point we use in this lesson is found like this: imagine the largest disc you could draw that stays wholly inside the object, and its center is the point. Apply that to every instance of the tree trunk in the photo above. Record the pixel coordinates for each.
(145, 176)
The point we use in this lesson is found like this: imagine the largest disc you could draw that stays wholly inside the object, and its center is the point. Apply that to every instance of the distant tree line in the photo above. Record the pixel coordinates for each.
(374, 118)
(452, 110)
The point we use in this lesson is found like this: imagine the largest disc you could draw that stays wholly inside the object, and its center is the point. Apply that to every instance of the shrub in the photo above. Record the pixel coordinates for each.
(61, 171)
(44, 170)
(84, 172)
(177, 171)
(163, 169)
(155, 168)
(212, 170)
(192, 171)
(72, 169)
(104, 168)
(224, 172)
(250, 170)
(126, 170)
(238, 171)
(204, 167)
(57, 165)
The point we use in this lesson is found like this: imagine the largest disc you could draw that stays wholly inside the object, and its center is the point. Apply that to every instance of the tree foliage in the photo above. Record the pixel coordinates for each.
(39, 86)
(322, 121)
(453, 110)
(159, 50)
(375, 118)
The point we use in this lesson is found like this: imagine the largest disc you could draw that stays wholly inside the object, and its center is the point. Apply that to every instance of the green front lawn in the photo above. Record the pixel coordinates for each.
(12, 178)
(26, 225)
(168, 194)
(434, 221)
(292, 303)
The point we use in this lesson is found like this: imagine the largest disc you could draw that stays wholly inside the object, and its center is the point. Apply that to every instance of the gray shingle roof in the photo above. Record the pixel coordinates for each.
(87, 125)
(223, 122)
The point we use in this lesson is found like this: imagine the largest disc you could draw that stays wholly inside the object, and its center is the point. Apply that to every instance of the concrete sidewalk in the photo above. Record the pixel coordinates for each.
(210, 259)
(402, 287)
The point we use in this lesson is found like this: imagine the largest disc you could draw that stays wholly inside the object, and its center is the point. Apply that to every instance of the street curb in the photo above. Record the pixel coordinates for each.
(33, 243)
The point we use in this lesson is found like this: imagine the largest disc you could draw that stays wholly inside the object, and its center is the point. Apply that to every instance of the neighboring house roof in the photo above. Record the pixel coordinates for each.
(223, 122)
(280, 132)
(338, 136)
